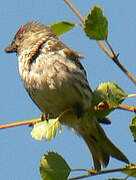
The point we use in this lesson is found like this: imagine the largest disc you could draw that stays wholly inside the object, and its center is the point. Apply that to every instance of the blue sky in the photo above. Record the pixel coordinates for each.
(19, 153)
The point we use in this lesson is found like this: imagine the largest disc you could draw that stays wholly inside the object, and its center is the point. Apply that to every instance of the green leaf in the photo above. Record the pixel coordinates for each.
(133, 127)
(62, 27)
(46, 129)
(54, 167)
(96, 25)
(131, 171)
(110, 94)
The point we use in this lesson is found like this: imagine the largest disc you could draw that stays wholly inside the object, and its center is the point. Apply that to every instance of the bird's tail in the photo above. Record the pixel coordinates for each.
(101, 147)
(98, 143)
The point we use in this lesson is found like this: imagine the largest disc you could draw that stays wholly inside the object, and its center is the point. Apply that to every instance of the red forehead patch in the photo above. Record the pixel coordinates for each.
(21, 29)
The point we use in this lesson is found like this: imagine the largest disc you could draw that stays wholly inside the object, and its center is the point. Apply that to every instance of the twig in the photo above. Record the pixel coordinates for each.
(33, 121)
(80, 177)
(112, 55)
(94, 173)
(75, 11)
(21, 123)
(131, 95)
(103, 47)
(126, 107)
(116, 61)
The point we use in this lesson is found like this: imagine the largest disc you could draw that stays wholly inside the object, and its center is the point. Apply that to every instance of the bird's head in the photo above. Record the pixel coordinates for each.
(28, 35)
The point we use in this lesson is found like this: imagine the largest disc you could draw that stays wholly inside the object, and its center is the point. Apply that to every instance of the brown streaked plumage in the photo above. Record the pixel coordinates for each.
(56, 80)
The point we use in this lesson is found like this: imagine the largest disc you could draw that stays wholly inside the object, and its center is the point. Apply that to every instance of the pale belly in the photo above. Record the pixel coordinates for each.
(53, 87)
(54, 101)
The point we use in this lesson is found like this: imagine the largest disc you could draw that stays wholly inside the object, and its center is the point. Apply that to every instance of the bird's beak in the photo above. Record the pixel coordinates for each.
(11, 49)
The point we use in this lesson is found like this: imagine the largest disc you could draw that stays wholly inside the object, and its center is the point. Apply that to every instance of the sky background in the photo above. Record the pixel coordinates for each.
(19, 153)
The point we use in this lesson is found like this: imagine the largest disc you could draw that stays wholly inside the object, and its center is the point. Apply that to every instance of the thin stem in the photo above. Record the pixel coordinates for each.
(80, 177)
(33, 121)
(110, 47)
(103, 47)
(131, 95)
(21, 123)
(127, 107)
(116, 61)
(80, 170)
(94, 173)
(75, 11)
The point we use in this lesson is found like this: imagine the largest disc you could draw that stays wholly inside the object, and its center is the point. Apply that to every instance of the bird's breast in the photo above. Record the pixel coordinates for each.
(52, 83)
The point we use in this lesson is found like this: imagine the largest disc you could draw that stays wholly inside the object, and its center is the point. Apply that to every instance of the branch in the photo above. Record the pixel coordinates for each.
(21, 123)
(33, 121)
(75, 11)
(103, 47)
(126, 107)
(111, 54)
(116, 61)
(94, 173)
(80, 177)
(131, 95)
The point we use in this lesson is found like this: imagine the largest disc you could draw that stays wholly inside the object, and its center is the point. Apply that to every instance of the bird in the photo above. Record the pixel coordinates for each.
(55, 79)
